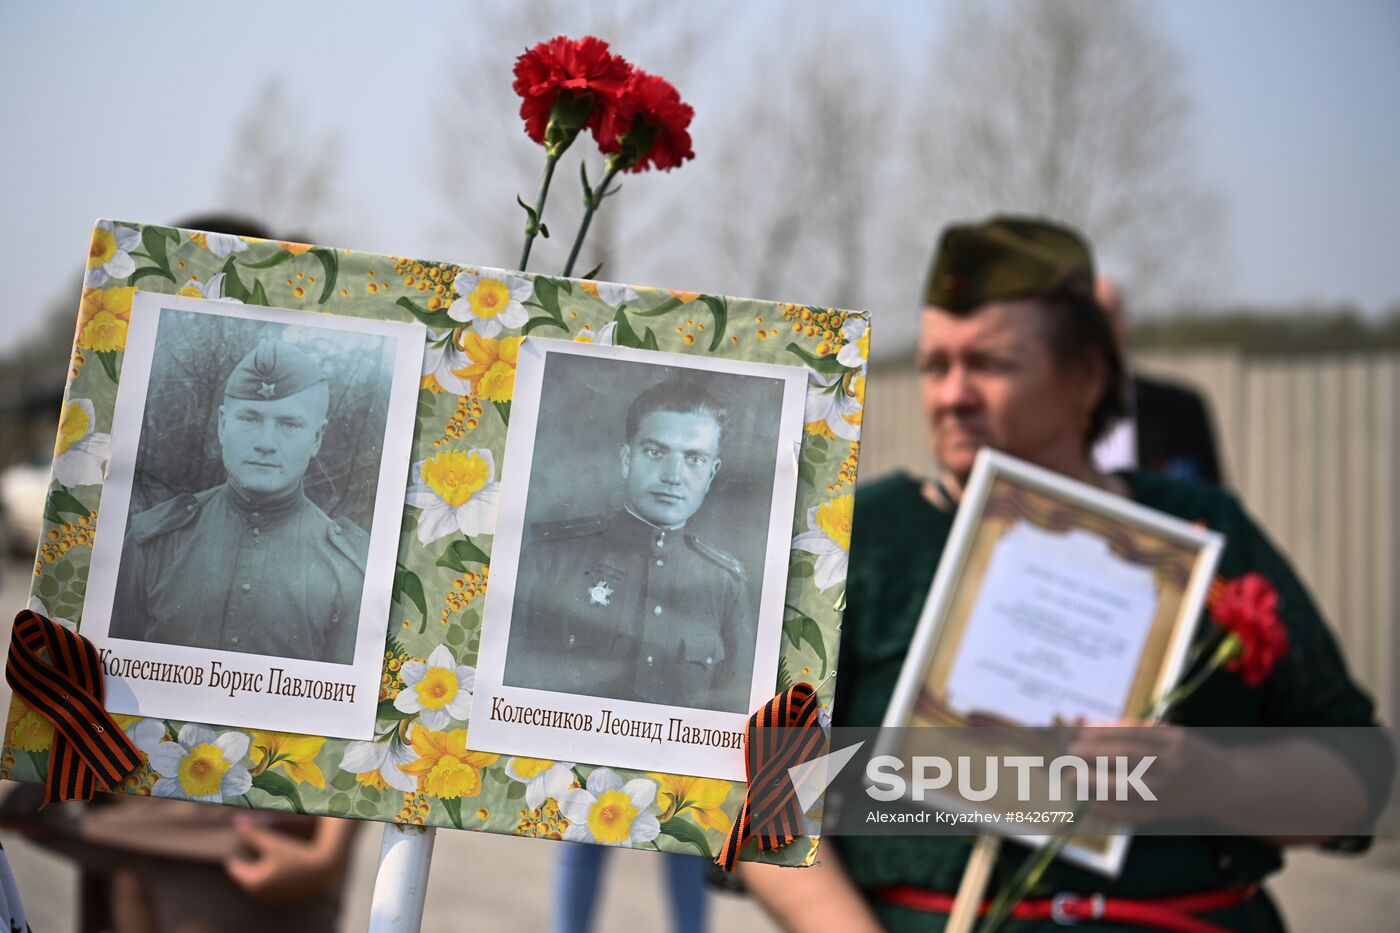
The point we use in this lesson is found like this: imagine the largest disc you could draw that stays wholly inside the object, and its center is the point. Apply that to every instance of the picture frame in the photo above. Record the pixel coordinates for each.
(1095, 605)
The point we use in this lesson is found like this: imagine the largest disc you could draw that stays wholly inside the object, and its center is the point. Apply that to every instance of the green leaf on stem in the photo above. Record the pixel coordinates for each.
(532, 226)
(330, 264)
(503, 409)
(148, 271)
(461, 553)
(649, 341)
(430, 318)
(408, 586)
(388, 712)
(233, 285)
(154, 240)
(453, 806)
(276, 259)
(592, 273)
(108, 359)
(719, 307)
(666, 307)
(684, 830)
(827, 365)
(624, 335)
(258, 296)
(62, 501)
(542, 320)
(278, 786)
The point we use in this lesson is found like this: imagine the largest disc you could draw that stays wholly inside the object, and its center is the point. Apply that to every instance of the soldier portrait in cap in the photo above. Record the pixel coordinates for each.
(240, 536)
(643, 543)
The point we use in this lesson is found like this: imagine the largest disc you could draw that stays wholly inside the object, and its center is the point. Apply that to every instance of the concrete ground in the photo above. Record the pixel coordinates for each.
(481, 882)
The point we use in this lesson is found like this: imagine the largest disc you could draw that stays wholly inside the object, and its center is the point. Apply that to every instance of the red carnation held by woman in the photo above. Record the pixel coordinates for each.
(648, 126)
(583, 69)
(1247, 608)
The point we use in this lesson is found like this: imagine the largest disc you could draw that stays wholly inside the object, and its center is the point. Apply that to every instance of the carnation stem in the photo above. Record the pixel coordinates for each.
(592, 200)
(536, 220)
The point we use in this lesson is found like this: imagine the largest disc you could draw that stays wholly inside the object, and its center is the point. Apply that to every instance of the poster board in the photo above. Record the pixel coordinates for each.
(416, 764)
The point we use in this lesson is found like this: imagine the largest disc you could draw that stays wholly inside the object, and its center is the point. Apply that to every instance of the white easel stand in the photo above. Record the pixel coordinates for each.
(401, 884)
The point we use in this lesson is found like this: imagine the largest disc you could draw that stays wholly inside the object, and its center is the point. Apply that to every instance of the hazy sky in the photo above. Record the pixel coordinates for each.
(127, 111)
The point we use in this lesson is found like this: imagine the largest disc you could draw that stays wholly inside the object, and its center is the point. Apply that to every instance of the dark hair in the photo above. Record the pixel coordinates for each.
(1079, 336)
(677, 394)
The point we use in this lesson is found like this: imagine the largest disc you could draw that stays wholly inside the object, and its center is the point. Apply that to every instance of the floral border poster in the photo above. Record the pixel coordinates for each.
(422, 763)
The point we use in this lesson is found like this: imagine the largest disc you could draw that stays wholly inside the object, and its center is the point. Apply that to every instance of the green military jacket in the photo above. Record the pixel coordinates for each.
(216, 570)
(897, 540)
(613, 606)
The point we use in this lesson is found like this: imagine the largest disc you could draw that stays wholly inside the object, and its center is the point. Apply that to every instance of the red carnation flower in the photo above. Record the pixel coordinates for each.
(648, 126)
(1247, 608)
(588, 76)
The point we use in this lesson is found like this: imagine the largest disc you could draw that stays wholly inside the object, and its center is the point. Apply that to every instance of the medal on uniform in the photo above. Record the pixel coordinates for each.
(600, 594)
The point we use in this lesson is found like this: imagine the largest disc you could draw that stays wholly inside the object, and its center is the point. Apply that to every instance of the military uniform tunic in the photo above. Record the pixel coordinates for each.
(219, 570)
(898, 540)
(615, 606)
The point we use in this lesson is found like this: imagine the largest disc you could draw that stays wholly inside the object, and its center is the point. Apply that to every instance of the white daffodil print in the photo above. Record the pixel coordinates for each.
(607, 337)
(199, 765)
(856, 330)
(81, 451)
(378, 762)
(439, 689)
(542, 778)
(146, 735)
(443, 361)
(829, 538)
(456, 492)
(212, 289)
(490, 301)
(109, 256)
(609, 811)
(829, 403)
(613, 294)
(222, 245)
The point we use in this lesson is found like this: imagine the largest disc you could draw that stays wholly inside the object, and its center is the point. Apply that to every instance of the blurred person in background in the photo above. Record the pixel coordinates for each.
(150, 864)
(1167, 428)
(1015, 354)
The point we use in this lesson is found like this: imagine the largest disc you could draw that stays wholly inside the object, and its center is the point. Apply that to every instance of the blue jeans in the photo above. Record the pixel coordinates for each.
(579, 879)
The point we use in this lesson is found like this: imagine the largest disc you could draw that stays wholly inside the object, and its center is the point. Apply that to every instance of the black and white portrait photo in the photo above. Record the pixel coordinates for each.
(260, 448)
(645, 528)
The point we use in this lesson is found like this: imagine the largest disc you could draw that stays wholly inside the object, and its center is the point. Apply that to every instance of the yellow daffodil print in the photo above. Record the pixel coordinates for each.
(444, 361)
(491, 301)
(103, 318)
(832, 409)
(26, 729)
(456, 493)
(80, 452)
(854, 354)
(199, 765)
(213, 289)
(438, 690)
(829, 538)
(702, 798)
(379, 763)
(684, 298)
(607, 337)
(491, 370)
(109, 255)
(542, 778)
(444, 768)
(296, 249)
(610, 811)
(222, 245)
(294, 755)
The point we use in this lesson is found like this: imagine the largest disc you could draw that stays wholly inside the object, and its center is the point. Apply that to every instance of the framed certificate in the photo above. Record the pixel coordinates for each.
(1055, 603)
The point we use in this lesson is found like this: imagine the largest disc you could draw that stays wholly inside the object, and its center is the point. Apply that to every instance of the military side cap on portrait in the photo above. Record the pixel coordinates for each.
(1007, 257)
(273, 370)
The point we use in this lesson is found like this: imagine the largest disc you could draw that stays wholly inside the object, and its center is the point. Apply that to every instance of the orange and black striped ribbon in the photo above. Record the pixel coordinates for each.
(89, 749)
(783, 734)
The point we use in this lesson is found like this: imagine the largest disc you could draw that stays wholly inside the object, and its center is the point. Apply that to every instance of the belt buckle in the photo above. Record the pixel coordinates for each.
(1062, 903)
